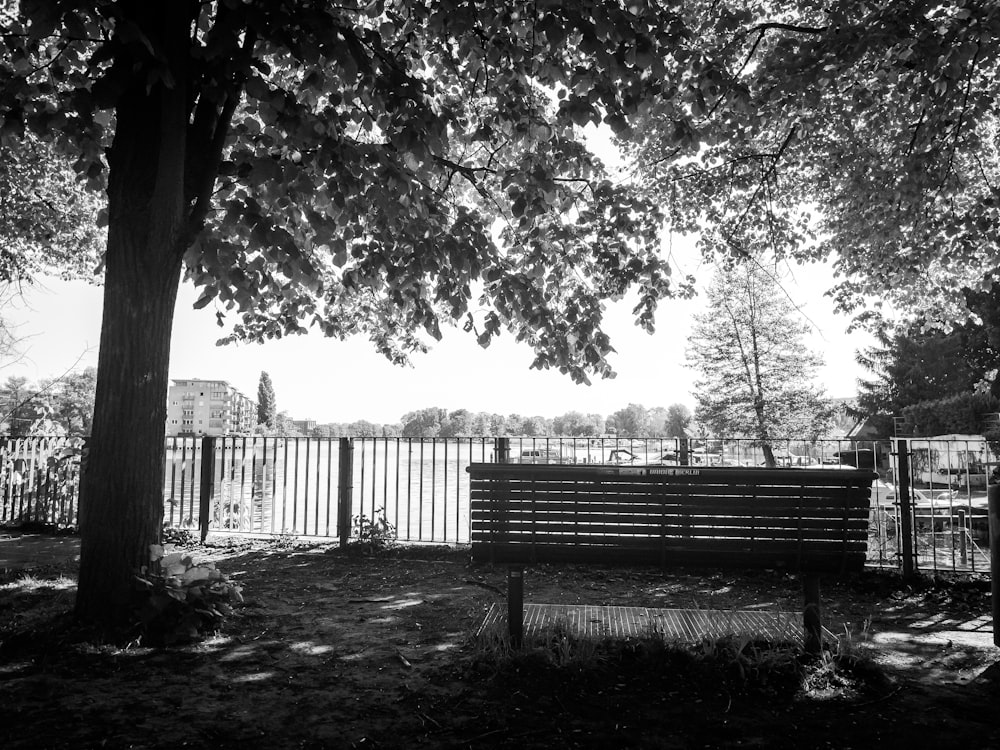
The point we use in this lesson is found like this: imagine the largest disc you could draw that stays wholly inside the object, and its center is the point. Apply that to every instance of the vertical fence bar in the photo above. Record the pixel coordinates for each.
(305, 488)
(420, 507)
(263, 485)
(254, 487)
(433, 483)
(385, 484)
(207, 482)
(905, 506)
(396, 501)
(444, 495)
(345, 490)
(375, 475)
(993, 508)
(409, 487)
(295, 488)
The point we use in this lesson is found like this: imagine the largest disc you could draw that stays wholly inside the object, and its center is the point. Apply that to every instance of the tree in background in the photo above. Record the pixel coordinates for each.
(911, 366)
(70, 400)
(497, 425)
(19, 405)
(535, 426)
(677, 421)
(267, 403)
(633, 421)
(364, 428)
(424, 422)
(575, 423)
(755, 375)
(983, 330)
(457, 423)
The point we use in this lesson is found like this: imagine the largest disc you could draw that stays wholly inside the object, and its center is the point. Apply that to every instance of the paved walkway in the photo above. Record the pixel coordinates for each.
(21, 551)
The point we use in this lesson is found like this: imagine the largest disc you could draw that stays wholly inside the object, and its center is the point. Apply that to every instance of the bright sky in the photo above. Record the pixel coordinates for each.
(332, 381)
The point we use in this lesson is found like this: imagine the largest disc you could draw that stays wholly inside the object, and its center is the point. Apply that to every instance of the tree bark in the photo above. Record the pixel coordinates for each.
(122, 492)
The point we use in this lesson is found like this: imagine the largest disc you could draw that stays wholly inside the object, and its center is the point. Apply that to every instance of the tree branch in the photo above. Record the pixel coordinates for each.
(213, 151)
(961, 115)
(794, 28)
(767, 176)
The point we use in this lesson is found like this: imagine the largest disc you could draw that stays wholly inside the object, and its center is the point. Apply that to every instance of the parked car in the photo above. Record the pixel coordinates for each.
(540, 456)
(884, 494)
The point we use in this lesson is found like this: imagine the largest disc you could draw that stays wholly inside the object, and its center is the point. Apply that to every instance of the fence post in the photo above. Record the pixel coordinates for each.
(684, 452)
(993, 505)
(345, 490)
(501, 450)
(207, 486)
(962, 550)
(905, 506)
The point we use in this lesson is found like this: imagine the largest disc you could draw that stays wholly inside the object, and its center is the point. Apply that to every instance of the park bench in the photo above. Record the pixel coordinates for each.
(807, 521)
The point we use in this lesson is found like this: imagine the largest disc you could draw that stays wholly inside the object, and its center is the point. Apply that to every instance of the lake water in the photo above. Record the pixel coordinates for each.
(270, 486)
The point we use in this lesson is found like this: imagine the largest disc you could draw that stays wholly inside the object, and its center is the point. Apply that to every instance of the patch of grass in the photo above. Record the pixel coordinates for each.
(30, 582)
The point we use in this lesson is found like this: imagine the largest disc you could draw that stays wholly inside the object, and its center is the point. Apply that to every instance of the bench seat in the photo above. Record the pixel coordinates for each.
(808, 521)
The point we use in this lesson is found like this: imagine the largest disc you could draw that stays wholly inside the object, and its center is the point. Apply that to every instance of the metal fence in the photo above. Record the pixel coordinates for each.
(928, 506)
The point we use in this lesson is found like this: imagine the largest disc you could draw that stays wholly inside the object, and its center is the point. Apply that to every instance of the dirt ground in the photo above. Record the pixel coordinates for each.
(340, 650)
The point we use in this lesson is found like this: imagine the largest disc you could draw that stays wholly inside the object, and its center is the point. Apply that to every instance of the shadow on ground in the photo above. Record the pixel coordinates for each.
(339, 650)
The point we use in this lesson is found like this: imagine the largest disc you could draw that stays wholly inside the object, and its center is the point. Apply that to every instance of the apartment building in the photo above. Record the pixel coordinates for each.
(208, 407)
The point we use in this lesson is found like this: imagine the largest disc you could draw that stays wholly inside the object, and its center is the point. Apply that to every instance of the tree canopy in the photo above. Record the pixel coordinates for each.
(357, 168)
(48, 219)
(862, 132)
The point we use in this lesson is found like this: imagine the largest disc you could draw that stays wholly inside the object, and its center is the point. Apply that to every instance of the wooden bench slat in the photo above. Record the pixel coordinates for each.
(674, 541)
(690, 475)
(854, 520)
(816, 561)
(673, 530)
(707, 505)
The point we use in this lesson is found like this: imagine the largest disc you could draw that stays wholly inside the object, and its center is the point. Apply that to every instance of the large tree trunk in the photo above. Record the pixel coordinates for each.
(122, 495)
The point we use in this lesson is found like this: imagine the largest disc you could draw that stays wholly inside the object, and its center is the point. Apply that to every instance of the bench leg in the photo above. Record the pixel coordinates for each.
(813, 615)
(515, 605)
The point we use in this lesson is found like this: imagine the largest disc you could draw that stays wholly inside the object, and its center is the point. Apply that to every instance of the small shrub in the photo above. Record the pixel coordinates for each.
(371, 536)
(181, 601)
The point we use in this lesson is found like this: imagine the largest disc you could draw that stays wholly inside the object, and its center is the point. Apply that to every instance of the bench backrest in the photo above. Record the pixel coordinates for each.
(798, 519)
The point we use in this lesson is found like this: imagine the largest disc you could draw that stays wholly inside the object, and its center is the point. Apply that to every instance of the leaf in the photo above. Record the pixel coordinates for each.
(206, 296)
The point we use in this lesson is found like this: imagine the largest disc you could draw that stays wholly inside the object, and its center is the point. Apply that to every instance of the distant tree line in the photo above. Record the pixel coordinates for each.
(633, 420)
